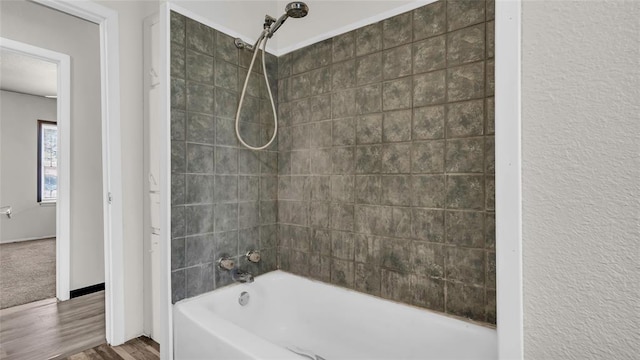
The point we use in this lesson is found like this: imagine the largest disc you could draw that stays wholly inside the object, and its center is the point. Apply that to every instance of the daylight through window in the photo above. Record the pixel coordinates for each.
(47, 161)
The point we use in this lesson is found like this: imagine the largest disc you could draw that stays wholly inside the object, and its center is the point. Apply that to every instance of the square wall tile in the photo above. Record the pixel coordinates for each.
(199, 219)
(178, 61)
(226, 48)
(427, 259)
(178, 124)
(225, 217)
(397, 30)
(369, 99)
(199, 37)
(396, 94)
(465, 155)
(342, 188)
(465, 228)
(226, 75)
(343, 75)
(462, 13)
(342, 245)
(369, 129)
(342, 272)
(465, 82)
(178, 189)
(344, 46)
(429, 88)
(367, 249)
(466, 265)
(428, 123)
(429, 20)
(429, 54)
(428, 225)
(396, 62)
(342, 217)
(199, 249)
(199, 189)
(199, 67)
(428, 191)
(226, 160)
(200, 98)
(178, 157)
(201, 128)
(344, 132)
(368, 189)
(465, 192)
(396, 126)
(368, 159)
(466, 301)
(395, 286)
(427, 156)
(428, 292)
(368, 39)
(466, 45)
(343, 103)
(178, 25)
(178, 94)
(396, 158)
(367, 278)
(465, 118)
(396, 190)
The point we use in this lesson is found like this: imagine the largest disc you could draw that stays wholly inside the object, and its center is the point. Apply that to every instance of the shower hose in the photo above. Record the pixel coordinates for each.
(262, 41)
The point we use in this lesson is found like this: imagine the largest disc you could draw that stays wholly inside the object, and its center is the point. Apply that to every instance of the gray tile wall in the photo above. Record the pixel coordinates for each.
(386, 159)
(224, 197)
(382, 179)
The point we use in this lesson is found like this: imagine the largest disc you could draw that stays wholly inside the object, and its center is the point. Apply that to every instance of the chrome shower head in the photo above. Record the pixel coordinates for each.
(296, 9)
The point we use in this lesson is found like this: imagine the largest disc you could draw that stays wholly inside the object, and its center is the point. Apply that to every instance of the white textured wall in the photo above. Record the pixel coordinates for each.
(581, 179)
(19, 115)
(37, 25)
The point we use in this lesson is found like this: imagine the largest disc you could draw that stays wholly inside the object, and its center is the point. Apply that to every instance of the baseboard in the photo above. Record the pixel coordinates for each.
(86, 290)
(27, 239)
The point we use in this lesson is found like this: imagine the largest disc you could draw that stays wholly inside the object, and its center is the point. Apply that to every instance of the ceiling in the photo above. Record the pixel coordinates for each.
(28, 75)
(326, 18)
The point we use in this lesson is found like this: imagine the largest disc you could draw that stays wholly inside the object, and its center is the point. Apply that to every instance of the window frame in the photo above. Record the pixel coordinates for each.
(41, 124)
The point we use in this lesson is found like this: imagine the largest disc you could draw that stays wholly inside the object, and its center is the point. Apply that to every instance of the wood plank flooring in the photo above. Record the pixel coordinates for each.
(141, 348)
(49, 329)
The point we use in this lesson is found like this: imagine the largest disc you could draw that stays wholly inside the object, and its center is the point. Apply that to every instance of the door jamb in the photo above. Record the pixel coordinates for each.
(107, 20)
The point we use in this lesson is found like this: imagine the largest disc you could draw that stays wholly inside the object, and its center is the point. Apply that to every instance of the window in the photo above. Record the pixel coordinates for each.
(47, 161)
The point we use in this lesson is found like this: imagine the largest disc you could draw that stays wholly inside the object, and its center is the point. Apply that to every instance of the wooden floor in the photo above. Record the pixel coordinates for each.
(141, 348)
(49, 329)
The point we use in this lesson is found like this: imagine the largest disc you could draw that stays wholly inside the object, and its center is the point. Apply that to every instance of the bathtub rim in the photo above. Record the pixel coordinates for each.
(282, 273)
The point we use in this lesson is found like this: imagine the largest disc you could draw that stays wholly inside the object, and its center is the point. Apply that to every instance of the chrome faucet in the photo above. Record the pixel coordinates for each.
(241, 276)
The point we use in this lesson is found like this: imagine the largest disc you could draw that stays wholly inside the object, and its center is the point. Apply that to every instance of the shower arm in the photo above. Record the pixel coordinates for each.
(276, 26)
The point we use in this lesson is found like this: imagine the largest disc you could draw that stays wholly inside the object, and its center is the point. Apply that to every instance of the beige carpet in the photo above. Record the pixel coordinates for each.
(27, 272)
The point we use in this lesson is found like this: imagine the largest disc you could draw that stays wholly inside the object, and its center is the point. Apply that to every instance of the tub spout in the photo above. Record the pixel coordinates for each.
(241, 276)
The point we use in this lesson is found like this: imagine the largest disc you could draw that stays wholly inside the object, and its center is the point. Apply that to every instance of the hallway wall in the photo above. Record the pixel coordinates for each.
(19, 115)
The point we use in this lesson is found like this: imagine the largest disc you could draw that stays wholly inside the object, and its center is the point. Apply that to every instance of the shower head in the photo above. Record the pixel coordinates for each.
(296, 9)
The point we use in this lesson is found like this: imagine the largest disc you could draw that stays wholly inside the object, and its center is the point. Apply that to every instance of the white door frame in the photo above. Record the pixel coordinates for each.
(63, 119)
(164, 124)
(508, 179)
(107, 19)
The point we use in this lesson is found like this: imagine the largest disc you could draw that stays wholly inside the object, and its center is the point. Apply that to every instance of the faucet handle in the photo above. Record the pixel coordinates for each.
(253, 256)
(226, 263)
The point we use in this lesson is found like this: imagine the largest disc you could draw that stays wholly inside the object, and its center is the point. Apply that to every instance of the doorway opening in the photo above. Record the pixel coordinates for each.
(34, 174)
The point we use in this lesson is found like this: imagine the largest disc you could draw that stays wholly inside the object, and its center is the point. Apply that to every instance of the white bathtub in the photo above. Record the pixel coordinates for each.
(286, 311)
